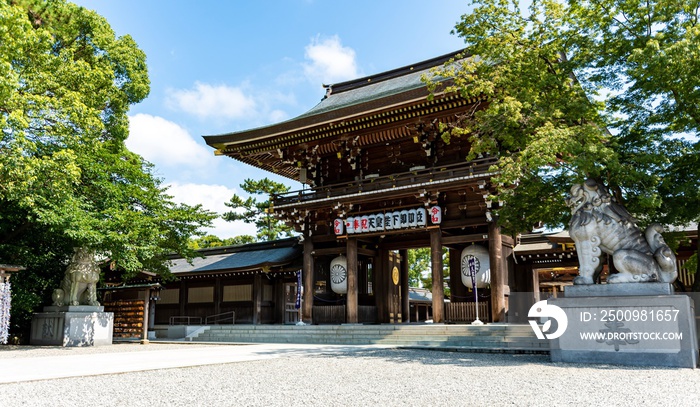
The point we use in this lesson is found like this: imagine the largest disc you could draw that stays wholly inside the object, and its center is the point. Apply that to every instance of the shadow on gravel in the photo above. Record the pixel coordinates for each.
(452, 358)
(438, 357)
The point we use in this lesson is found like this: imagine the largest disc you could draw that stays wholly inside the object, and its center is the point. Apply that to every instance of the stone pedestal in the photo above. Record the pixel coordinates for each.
(640, 324)
(80, 325)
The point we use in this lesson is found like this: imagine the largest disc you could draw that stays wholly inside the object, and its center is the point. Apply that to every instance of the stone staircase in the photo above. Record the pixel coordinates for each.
(502, 338)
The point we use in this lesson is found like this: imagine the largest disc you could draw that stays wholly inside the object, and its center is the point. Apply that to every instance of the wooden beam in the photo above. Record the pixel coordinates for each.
(436, 262)
(498, 300)
(329, 251)
(463, 223)
(405, 303)
(379, 285)
(352, 304)
(461, 239)
(257, 299)
(308, 281)
(342, 250)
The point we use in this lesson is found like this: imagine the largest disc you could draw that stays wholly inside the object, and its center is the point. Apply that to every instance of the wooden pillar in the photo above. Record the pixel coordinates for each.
(279, 299)
(498, 300)
(351, 307)
(379, 285)
(535, 283)
(146, 297)
(405, 303)
(458, 291)
(257, 299)
(217, 296)
(152, 309)
(183, 297)
(308, 281)
(436, 263)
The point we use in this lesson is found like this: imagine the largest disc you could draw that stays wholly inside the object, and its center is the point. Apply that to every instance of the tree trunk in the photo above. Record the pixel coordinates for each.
(696, 280)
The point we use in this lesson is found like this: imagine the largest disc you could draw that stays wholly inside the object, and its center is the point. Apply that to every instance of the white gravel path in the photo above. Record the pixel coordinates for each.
(358, 377)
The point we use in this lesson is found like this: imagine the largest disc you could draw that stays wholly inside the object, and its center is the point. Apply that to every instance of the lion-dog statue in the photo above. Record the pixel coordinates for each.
(79, 284)
(601, 225)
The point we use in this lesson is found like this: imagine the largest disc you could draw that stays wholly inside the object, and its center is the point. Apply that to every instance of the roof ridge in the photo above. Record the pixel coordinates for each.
(394, 73)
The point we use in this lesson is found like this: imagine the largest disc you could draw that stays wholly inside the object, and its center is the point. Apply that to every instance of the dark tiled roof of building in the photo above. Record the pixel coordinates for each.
(240, 258)
(346, 99)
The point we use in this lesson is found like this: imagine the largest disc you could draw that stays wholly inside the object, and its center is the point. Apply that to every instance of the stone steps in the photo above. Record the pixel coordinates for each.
(492, 337)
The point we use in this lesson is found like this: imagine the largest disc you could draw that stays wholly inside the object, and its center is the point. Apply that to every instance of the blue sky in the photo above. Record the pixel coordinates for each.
(224, 66)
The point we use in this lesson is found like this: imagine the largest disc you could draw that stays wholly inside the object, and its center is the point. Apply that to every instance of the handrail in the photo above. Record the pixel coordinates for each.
(475, 168)
(217, 318)
(188, 320)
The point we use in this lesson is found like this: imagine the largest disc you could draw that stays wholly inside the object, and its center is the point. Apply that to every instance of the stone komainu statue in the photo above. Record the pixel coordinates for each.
(79, 284)
(600, 225)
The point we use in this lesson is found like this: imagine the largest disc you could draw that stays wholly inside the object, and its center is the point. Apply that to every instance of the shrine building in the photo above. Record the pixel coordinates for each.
(379, 180)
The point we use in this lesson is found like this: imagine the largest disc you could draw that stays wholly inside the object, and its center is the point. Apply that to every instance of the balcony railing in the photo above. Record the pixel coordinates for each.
(375, 184)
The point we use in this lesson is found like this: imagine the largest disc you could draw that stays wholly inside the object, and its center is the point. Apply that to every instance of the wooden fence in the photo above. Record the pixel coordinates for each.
(335, 314)
(461, 312)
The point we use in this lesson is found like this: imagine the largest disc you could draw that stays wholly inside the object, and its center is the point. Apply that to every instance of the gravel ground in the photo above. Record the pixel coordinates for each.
(381, 377)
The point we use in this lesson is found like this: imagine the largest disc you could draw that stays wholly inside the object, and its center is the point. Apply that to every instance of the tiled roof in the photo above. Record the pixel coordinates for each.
(347, 99)
(240, 258)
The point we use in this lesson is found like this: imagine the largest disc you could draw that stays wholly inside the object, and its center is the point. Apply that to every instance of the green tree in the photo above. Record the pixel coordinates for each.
(66, 177)
(257, 211)
(418, 263)
(573, 89)
(209, 241)
(419, 268)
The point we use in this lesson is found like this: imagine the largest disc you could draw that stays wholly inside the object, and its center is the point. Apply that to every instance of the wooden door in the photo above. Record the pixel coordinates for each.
(394, 288)
(291, 313)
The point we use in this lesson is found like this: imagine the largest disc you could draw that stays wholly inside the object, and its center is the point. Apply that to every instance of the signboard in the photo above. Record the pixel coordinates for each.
(396, 220)
(297, 304)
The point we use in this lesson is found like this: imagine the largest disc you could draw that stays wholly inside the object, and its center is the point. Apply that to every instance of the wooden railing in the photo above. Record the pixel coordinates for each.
(465, 312)
(219, 319)
(329, 314)
(473, 169)
(336, 314)
(185, 320)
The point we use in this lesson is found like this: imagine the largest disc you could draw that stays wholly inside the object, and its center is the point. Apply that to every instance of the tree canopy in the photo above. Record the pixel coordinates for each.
(210, 241)
(66, 177)
(258, 210)
(574, 89)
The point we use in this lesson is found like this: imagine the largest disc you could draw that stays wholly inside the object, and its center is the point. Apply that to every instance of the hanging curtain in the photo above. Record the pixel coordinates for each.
(5, 297)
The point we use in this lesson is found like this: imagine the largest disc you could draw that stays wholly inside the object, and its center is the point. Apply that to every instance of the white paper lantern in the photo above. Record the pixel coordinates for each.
(435, 215)
(338, 226)
(412, 218)
(372, 222)
(396, 220)
(403, 218)
(482, 266)
(388, 221)
(421, 217)
(339, 275)
(350, 225)
(356, 224)
(364, 224)
(379, 222)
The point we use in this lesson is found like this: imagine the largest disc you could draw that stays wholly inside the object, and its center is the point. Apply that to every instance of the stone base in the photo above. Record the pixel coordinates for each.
(628, 330)
(618, 290)
(72, 326)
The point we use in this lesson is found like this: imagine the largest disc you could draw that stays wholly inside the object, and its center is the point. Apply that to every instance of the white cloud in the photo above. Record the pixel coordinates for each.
(211, 197)
(331, 62)
(207, 101)
(165, 143)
